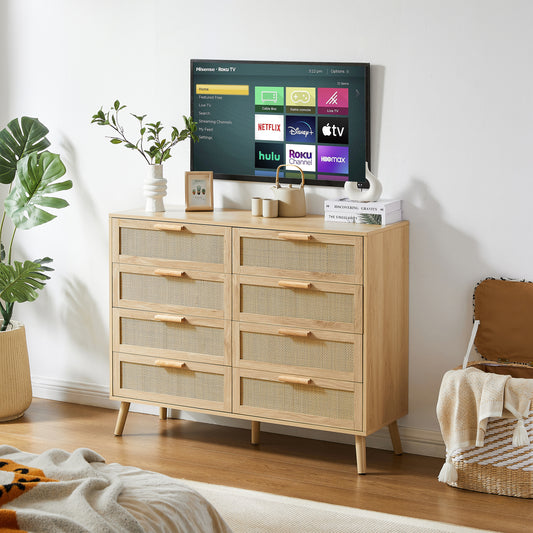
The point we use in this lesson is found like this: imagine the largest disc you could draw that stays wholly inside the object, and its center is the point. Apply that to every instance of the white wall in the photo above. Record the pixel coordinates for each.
(452, 110)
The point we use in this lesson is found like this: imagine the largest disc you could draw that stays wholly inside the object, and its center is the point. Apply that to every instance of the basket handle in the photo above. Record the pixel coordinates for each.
(296, 166)
(471, 343)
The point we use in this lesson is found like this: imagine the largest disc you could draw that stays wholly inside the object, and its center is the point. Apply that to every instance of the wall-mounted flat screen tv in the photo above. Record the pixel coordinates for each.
(253, 116)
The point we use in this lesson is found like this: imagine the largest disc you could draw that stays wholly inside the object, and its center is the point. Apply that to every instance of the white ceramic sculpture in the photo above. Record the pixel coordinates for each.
(372, 194)
(155, 188)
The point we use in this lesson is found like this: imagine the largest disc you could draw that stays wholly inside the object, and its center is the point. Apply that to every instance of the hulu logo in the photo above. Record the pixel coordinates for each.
(272, 156)
(269, 155)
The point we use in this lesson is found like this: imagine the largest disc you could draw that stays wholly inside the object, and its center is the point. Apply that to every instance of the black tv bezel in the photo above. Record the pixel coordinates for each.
(268, 179)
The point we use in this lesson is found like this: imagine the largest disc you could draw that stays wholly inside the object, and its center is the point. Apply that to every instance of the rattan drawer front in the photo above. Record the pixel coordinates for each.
(321, 305)
(295, 254)
(317, 353)
(185, 292)
(298, 399)
(192, 338)
(194, 385)
(194, 246)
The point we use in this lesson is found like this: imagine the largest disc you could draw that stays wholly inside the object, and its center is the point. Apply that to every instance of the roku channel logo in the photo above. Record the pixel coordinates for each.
(301, 155)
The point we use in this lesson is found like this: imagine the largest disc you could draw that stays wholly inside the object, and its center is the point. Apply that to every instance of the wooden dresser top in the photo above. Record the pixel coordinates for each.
(244, 219)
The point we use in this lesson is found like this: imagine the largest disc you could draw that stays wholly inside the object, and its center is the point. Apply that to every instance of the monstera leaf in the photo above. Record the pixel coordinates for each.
(37, 176)
(369, 218)
(20, 282)
(16, 141)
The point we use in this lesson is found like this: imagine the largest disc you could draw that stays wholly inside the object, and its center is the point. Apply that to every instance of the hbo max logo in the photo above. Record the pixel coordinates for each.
(333, 159)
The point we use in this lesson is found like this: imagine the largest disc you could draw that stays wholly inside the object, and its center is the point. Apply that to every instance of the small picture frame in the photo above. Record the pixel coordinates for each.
(199, 191)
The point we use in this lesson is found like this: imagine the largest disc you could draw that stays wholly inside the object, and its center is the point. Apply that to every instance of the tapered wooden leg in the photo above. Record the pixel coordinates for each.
(121, 419)
(360, 454)
(256, 428)
(162, 413)
(395, 438)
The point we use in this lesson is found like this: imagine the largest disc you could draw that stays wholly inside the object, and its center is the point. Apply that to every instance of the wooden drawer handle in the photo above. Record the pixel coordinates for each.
(294, 332)
(295, 236)
(294, 284)
(170, 364)
(295, 380)
(170, 318)
(171, 273)
(169, 227)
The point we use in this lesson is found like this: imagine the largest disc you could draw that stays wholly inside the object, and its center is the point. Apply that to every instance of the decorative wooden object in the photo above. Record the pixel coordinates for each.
(297, 322)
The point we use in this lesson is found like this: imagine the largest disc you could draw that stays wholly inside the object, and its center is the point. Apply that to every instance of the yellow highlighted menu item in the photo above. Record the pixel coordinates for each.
(242, 90)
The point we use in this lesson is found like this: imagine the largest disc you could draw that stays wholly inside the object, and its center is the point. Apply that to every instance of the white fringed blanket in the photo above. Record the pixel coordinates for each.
(78, 493)
(468, 399)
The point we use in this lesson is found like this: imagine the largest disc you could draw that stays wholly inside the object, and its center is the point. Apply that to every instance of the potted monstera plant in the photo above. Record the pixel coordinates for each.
(32, 175)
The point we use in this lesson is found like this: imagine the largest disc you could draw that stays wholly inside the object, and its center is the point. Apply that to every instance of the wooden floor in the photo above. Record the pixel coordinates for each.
(291, 466)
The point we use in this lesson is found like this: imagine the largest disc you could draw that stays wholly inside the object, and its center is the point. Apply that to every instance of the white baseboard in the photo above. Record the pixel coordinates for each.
(416, 441)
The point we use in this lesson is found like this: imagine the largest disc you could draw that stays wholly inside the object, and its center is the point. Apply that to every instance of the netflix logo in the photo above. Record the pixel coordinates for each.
(269, 127)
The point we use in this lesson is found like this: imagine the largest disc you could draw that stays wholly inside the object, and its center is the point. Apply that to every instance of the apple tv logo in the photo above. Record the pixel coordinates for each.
(332, 130)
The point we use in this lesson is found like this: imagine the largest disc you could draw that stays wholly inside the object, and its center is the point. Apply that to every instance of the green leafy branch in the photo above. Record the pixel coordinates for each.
(159, 150)
(369, 218)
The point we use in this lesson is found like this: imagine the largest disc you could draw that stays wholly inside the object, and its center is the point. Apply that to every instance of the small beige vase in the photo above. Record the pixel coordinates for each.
(15, 378)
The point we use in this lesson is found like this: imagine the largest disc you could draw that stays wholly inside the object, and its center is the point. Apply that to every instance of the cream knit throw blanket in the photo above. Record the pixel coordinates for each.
(61, 492)
(468, 399)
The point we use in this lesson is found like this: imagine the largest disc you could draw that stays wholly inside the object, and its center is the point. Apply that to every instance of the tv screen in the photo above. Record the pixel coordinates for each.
(253, 116)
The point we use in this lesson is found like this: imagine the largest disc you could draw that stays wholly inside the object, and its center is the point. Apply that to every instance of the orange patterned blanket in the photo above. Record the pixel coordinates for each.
(16, 479)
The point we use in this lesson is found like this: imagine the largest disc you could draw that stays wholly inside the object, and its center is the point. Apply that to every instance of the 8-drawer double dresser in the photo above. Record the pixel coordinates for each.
(293, 321)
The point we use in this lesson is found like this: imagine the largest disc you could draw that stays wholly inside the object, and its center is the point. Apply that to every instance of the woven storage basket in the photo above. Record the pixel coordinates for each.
(504, 340)
(15, 379)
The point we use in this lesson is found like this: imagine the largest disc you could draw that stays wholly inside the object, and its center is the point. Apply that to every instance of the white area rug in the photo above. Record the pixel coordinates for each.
(248, 511)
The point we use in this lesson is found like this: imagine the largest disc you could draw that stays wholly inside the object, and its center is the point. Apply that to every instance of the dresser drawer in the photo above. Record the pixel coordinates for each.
(301, 303)
(298, 398)
(162, 381)
(295, 254)
(172, 244)
(187, 292)
(173, 336)
(317, 353)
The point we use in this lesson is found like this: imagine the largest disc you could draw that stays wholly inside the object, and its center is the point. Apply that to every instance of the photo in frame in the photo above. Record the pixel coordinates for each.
(199, 191)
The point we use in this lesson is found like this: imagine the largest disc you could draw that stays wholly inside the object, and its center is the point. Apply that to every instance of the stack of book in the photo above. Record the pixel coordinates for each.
(383, 212)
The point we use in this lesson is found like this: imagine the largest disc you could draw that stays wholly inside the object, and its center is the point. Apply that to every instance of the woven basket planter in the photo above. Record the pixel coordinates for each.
(15, 378)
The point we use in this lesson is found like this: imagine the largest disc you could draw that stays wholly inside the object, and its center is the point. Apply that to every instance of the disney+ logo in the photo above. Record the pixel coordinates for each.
(300, 129)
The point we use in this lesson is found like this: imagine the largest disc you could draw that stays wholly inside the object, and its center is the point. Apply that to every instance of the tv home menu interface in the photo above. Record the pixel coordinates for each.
(253, 117)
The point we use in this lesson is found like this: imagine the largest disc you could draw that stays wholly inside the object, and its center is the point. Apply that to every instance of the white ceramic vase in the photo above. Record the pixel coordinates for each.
(155, 189)
(372, 194)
